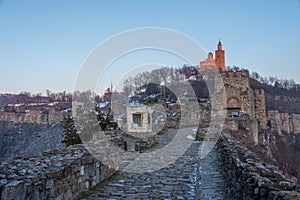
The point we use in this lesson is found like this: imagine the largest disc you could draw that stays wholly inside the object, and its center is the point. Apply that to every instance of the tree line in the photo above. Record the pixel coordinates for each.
(276, 82)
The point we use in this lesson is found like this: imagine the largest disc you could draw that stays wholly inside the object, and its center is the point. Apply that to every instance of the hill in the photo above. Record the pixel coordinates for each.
(278, 98)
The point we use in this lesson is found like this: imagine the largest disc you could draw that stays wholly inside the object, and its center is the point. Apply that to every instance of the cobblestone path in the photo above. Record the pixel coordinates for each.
(186, 178)
(211, 185)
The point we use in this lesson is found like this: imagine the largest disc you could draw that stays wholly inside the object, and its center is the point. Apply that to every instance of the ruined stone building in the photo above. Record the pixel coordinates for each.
(241, 99)
(283, 122)
(41, 114)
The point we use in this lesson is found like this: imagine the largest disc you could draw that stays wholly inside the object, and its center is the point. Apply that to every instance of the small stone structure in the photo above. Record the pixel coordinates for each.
(138, 118)
(139, 133)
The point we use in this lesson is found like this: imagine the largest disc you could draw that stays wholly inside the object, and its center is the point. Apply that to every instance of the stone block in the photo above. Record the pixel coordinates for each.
(68, 194)
(15, 190)
(51, 176)
(82, 170)
(49, 183)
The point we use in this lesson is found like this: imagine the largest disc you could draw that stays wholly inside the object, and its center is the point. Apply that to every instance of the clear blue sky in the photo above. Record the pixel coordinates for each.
(43, 43)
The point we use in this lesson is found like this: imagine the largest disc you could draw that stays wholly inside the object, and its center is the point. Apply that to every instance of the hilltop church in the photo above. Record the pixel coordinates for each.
(218, 61)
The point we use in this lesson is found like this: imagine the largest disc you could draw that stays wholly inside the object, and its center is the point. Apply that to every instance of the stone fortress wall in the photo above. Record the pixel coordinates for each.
(284, 122)
(260, 108)
(36, 113)
(65, 173)
(33, 116)
(59, 174)
(240, 97)
(237, 87)
(240, 94)
(247, 177)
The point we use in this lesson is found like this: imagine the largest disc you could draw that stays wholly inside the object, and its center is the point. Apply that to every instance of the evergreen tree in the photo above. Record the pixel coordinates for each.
(105, 119)
(70, 136)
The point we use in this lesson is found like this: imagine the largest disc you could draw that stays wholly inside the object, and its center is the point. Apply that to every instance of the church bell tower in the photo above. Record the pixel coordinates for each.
(220, 57)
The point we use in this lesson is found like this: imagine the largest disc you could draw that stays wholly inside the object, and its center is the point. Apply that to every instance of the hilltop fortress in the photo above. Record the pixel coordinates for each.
(66, 172)
(241, 99)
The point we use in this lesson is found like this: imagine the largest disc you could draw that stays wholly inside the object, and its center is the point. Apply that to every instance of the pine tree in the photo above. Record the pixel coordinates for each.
(105, 120)
(70, 136)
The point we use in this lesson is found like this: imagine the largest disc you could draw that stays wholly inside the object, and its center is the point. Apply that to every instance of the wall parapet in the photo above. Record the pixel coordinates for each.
(58, 174)
(247, 177)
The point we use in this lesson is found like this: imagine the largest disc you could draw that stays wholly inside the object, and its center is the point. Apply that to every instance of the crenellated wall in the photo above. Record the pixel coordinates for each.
(248, 177)
(59, 174)
(238, 86)
(241, 97)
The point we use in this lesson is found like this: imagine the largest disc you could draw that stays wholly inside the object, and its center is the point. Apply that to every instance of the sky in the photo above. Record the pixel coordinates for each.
(43, 44)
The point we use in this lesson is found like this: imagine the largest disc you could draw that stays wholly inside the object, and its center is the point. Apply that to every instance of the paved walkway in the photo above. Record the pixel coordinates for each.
(186, 178)
(211, 185)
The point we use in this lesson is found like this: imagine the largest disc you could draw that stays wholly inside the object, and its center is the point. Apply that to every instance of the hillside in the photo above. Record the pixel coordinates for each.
(277, 98)
(28, 139)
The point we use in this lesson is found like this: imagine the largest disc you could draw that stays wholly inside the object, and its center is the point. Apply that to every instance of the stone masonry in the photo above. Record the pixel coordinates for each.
(260, 108)
(59, 174)
(284, 122)
(240, 97)
(187, 178)
(65, 173)
(248, 177)
(238, 87)
(36, 115)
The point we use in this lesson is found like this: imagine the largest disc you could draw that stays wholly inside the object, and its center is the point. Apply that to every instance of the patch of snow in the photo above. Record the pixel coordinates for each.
(36, 104)
(103, 104)
(190, 137)
(52, 104)
(192, 78)
(134, 103)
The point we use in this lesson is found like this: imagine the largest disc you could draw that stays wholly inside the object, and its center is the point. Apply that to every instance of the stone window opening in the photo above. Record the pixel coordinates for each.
(137, 119)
